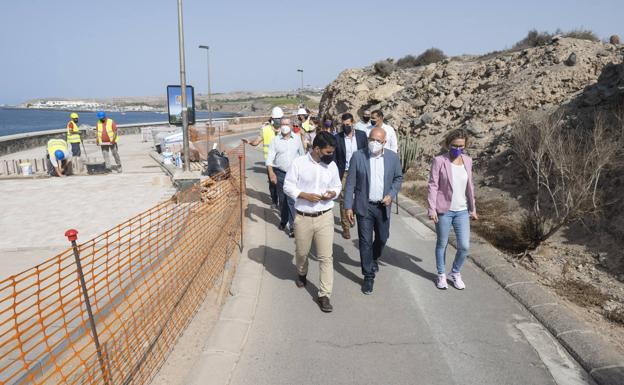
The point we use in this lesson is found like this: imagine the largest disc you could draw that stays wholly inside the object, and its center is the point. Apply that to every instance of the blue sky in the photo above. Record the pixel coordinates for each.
(86, 48)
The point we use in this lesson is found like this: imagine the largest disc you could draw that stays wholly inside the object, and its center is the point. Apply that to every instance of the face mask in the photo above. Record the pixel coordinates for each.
(366, 119)
(373, 122)
(296, 129)
(327, 159)
(285, 130)
(455, 152)
(347, 129)
(375, 147)
(328, 123)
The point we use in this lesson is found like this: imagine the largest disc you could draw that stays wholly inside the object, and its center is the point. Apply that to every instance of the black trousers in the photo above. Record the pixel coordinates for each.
(286, 203)
(373, 233)
(272, 190)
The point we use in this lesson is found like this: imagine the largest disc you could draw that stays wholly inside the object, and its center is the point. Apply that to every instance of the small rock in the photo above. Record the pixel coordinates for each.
(457, 103)
(614, 39)
(571, 60)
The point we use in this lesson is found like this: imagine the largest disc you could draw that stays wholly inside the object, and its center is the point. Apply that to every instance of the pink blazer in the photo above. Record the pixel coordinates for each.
(441, 185)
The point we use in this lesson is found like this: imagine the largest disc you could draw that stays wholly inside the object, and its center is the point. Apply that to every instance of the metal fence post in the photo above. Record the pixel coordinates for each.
(240, 196)
(72, 236)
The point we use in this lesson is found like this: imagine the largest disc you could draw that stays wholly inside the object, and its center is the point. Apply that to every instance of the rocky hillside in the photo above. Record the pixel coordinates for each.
(483, 94)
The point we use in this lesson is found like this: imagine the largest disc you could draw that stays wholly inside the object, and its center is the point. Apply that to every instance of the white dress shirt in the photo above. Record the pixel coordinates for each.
(350, 148)
(283, 151)
(392, 143)
(363, 127)
(460, 181)
(375, 193)
(306, 175)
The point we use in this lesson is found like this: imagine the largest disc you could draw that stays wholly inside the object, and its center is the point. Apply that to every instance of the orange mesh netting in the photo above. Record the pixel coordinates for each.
(145, 280)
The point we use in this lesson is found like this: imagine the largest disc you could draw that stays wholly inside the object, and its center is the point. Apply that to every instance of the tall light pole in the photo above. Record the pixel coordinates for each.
(207, 48)
(301, 89)
(185, 139)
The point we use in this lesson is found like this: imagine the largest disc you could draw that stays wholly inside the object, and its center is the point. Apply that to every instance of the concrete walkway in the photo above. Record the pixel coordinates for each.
(407, 332)
(36, 212)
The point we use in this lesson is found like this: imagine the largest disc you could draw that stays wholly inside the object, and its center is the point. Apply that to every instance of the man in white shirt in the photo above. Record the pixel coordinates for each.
(283, 149)
(363, 124)
(374, 180)
(314, 183)
(392, 142)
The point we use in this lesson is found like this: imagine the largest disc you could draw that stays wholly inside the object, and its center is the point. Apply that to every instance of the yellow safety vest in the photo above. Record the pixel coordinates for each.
(72, 132)
(55, 145)
(306, 125)
(112, 136)
(267, 136)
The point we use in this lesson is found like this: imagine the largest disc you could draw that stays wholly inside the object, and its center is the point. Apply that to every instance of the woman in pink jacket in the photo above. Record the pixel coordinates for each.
(452, 204)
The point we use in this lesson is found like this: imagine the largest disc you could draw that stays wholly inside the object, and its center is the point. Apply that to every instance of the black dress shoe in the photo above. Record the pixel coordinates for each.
(325, 305)
(301, 281)
(281, 226)
(367, 286)
(291, 233)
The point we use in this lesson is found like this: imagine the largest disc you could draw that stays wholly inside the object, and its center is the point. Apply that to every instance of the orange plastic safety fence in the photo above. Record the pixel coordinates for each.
(145, 279)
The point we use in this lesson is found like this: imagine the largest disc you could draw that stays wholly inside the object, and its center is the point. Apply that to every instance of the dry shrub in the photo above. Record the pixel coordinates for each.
(384, 68)
(432, 55)
(533, 39)
(616, 316)
(496, 226)
(583, 34)
(563, 166)
(581, 293)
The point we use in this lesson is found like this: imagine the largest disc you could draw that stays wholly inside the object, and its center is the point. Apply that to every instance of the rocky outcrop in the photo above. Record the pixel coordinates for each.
(484, 94)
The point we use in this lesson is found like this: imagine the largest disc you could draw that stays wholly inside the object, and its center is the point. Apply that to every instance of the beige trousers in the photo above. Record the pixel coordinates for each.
(321, 230)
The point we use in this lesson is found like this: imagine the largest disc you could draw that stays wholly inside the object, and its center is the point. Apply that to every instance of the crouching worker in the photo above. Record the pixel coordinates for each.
(58, 158)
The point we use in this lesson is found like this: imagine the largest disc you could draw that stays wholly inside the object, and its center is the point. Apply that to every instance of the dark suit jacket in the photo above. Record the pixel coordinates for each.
(358, 180)
(340, 155)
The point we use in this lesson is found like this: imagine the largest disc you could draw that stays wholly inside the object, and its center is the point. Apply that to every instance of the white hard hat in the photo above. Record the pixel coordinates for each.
(277, 113)
(302, 111)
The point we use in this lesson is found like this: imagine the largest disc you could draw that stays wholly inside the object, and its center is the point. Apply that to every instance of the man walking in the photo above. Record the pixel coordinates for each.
(107, 139)
(267, 133)
(347, 143)
(377, 120)
(375, 178)
(364, 124)
(314, 183)
(73, 135)
(283, 149)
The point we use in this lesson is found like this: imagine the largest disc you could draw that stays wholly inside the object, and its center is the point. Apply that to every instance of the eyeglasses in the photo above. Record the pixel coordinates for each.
(457, 147)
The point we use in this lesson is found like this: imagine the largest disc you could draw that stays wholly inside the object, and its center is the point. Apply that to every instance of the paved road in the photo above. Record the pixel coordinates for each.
(407, 332)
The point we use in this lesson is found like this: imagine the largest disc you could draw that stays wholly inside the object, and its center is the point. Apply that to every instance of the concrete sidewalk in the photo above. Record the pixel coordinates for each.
(36, 212)
(407, 332)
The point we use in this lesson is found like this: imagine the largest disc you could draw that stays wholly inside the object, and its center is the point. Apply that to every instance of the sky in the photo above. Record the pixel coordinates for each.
(115, 48)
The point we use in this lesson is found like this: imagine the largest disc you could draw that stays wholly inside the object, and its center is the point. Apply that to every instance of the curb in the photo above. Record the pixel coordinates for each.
(596, 355)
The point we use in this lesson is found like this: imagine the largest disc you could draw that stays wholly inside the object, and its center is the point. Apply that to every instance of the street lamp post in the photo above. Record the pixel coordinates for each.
(185, 139)
(301, 89)
(207, 48)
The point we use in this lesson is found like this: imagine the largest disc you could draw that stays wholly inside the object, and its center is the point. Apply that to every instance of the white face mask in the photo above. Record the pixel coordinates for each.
(375, 148)
(285, 130)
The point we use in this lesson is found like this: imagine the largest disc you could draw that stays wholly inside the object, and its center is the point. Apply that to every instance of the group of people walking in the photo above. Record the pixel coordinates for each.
(60, 152)
(311, 168)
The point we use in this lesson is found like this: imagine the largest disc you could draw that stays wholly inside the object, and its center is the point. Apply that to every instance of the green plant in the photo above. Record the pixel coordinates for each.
(408, 151)
(432, 55)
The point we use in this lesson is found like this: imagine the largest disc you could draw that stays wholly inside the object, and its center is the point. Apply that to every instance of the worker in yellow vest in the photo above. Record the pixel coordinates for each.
(267, 133)
(58, 158)
(107, 139)
(73, 135)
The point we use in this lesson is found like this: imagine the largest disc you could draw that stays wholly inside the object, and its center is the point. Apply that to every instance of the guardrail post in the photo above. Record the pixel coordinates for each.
(72, 236)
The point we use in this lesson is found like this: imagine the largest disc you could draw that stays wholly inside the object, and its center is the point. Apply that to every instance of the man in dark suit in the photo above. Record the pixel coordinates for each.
(348, 142)
(375, 179)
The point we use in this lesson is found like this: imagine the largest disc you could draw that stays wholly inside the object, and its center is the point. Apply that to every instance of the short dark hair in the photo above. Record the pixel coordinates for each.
(324, 139)
(346, 116)
(378, 113)
(458, 133)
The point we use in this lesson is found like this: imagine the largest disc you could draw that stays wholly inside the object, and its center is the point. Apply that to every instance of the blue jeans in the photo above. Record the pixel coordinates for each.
(460, 220)
(374, 223)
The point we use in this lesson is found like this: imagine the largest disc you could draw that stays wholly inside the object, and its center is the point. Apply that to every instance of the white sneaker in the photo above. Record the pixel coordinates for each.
(441, 282)
(457, 281)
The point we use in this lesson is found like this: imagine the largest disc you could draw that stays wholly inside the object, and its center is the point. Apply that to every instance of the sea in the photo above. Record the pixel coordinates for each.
(22, 120)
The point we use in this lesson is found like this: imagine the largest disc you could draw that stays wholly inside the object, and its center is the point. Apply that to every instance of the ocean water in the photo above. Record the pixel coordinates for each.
(18, 121)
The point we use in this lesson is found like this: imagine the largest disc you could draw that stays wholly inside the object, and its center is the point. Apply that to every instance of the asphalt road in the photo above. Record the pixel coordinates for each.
(406, 332)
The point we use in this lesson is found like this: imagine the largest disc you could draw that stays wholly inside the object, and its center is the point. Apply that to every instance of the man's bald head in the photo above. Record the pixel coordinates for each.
(378, 134)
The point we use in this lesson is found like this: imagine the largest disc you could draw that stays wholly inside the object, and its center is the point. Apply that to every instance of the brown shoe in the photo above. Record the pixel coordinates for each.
(346, 234)
(325, 305)
(301, 281)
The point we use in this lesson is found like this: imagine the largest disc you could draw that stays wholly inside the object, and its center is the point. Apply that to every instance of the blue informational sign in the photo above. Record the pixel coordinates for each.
(174, 104)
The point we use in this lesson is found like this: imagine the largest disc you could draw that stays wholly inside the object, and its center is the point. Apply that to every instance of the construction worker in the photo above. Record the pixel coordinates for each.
(267, 133)
(107, 139)
(303, 115)
(58, 158)
(73, 135)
